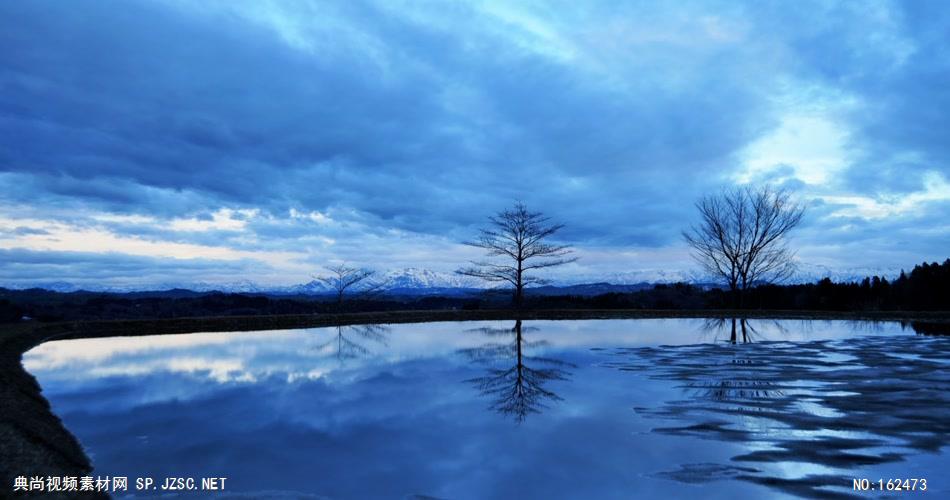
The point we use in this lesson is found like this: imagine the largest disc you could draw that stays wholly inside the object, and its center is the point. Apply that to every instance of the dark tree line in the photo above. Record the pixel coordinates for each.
(925, 288)
(48, 306)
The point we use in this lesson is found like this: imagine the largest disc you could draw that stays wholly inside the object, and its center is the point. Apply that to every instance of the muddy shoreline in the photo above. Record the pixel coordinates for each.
(34, 442)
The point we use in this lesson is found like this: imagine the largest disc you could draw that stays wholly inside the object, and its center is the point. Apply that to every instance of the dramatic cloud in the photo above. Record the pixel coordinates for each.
(260, 140)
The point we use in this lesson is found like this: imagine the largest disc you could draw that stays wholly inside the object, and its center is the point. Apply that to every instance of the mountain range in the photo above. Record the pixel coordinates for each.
(416, 281)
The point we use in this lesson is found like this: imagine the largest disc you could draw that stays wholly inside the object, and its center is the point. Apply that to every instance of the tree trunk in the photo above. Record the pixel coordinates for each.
(742, 288)
(520, 364)
(519, 287)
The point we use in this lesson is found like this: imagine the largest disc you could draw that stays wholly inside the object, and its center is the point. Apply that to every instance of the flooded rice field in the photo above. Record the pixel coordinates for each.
(533, 409)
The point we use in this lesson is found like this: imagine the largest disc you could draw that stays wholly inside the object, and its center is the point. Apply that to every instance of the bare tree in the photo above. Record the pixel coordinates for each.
(741, 237)
(519, 238)
(343, 278)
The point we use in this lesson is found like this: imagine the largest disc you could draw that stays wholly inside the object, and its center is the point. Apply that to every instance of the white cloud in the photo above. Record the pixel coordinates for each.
(814, 146)
(936, 189)
(57, 235)
(314, 215)
(224, 219)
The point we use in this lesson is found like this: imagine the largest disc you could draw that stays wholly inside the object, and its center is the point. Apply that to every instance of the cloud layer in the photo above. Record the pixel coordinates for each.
(261, 140)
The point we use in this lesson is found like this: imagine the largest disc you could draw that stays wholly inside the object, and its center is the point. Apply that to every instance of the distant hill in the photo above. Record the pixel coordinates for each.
(424, 282)
(925, 288)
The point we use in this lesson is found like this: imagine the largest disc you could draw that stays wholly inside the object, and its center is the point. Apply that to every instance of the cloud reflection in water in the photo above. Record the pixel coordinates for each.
(300, 411)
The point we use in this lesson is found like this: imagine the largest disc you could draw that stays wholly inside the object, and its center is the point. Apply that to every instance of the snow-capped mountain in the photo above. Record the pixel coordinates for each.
(416, 279)
(635, 277)
(313, 287)
(412, 277)
(53, 286)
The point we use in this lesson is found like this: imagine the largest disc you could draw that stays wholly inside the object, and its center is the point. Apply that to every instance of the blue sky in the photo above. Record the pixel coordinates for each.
(154, 141)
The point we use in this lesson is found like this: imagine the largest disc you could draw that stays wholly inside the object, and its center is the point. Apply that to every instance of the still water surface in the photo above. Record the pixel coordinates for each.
(539, 409)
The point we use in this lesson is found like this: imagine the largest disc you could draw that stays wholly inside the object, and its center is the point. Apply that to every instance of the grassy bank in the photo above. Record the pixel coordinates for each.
(33, 441)
(85, 329)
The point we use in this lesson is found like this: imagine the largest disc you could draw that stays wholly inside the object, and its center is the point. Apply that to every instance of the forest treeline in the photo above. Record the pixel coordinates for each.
(925, 288)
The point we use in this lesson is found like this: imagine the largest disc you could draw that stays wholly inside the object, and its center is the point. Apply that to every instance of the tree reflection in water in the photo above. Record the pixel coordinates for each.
(834, 405)
(350, 341)
(516, 390)
(939, 328)
(738, 330)
(742, 384)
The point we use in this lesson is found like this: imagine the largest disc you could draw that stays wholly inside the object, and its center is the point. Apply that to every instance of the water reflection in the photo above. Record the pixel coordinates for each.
(741, 382)
(385, 414)
(930, 327)
(829, 405)
(519, 389)
(350, 341)
(736, 330)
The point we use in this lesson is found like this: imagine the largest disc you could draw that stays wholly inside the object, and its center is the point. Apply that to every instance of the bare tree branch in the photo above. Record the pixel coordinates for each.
(343, 279)
(517, 236)
(740, 237)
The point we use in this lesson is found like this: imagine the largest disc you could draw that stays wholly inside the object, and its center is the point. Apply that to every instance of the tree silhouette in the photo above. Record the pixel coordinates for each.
(519, 237)
(741, 330)
(519, 390)
(342, 346)
(746, 384)
(343, 278)
(740, 238)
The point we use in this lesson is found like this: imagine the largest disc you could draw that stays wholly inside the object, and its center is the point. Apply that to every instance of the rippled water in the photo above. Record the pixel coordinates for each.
(540, 409)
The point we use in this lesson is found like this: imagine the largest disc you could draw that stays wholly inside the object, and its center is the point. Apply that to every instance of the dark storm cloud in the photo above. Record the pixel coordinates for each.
(28, 266)
(104, 103)
(612, 119)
